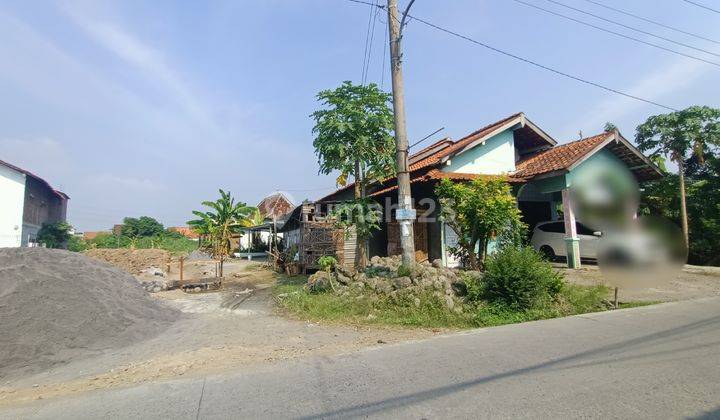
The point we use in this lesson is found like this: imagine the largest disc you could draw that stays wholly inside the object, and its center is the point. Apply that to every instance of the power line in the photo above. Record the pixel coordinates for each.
(654, 22)
(369, 51)
(426, 137)
(367, 39)
(631, 28)
(382, 71)
(702, 5)
(528, 61)
(617, 33)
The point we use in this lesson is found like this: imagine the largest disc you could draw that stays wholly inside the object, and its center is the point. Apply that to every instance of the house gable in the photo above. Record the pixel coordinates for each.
(494, 156)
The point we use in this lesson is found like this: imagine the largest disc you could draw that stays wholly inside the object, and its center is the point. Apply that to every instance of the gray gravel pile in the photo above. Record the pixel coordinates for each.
(198, 255)
(57, 306)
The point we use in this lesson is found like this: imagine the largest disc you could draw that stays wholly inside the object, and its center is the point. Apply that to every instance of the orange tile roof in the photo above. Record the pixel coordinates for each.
(184, 231)
(445, 142)
(558, 158)
(465, 141)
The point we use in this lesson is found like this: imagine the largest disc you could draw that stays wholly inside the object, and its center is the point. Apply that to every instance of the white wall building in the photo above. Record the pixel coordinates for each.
(26, 202)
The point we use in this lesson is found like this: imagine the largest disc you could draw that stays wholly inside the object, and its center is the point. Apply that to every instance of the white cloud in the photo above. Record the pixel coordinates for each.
(151, 62)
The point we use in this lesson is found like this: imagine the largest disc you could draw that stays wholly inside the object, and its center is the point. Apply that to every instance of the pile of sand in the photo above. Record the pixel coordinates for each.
(134, 261)
(57, 306)
(198, 255)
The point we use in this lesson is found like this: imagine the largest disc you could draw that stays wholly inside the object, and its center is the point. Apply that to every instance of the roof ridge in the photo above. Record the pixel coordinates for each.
(584, 139)
(421, 151)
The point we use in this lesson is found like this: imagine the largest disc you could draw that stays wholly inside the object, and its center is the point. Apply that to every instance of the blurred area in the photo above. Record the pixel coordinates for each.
(632, 251)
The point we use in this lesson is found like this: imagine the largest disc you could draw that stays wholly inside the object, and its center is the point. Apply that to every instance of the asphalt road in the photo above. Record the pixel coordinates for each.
(653, 362)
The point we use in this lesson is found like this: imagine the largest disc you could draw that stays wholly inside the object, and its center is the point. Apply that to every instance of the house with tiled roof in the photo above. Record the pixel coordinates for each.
(26, 202)
(515, 148)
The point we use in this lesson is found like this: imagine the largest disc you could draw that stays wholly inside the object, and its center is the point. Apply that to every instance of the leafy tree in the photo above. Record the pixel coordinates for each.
(478, 211)
(694, 130)
(225, 218)
(703, 204)
(142, 227)
(353, 135)
(609, 127)
(54, 235)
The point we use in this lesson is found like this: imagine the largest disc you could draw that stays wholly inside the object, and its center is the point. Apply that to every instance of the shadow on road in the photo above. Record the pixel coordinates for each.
(632, 344)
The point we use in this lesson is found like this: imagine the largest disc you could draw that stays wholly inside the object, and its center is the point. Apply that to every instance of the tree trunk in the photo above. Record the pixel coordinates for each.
(683, 204)
(472, 257)
(482, 253)
(360, 255)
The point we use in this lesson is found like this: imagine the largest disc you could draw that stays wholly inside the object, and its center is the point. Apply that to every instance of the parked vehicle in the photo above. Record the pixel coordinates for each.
(548, 238)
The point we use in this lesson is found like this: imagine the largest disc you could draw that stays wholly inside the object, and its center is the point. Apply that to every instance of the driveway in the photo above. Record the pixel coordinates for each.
(660, 361)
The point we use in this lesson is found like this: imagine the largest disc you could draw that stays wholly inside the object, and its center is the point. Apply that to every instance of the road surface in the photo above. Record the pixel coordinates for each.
(661, 361)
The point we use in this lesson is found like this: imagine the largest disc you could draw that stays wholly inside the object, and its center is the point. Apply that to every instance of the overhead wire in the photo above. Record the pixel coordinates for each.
(632, 28)
(654, 22)
(367, 39)
(528, 61)
(702, 6)
(600, 28)
(369, 52)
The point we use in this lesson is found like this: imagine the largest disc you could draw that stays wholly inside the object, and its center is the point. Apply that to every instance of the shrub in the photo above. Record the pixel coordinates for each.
(404, 271)
(520, 278)
(54, 235)
(327, 262)
(76, 244)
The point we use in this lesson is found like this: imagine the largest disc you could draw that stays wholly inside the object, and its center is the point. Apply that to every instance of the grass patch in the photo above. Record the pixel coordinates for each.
(371, 309)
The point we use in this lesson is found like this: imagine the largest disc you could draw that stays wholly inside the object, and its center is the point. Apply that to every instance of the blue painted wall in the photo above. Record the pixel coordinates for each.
(495, 157)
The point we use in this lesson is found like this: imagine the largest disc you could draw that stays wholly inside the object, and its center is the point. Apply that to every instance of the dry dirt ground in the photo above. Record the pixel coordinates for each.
(693, 282)
(240, 328)
(236, 328)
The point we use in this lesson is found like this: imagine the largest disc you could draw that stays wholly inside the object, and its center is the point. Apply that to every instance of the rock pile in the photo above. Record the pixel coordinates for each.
(385, 276)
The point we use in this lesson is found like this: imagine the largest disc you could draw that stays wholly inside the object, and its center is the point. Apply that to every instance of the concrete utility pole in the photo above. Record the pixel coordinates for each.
(405, 214)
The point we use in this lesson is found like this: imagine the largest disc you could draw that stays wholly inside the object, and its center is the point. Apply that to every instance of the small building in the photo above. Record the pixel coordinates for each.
(540, 170)
(272, 209)
(275, 206)
(26, 202)
(307, 231)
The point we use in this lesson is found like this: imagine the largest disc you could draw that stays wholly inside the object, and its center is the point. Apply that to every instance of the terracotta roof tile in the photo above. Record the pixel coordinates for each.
(463, 142)
(558, 158)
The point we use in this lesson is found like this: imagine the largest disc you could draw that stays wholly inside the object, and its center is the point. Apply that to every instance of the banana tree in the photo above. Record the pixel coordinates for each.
(218, 224)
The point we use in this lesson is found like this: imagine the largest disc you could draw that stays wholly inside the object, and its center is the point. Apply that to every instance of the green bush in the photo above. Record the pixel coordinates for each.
(327, 262)
(76, 244)
(54, 235)
(404, 271)
(519, 278)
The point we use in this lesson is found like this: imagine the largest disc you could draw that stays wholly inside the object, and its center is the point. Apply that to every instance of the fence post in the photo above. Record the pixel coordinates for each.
(182, 260)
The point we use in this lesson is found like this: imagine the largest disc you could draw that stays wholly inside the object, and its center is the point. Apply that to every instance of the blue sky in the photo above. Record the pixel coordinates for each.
(146, 108)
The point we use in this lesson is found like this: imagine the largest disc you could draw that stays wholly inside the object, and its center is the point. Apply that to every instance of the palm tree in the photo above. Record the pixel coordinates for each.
(223, 220)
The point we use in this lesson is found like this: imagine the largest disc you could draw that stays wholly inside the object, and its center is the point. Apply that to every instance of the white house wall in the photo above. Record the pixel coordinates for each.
(12, 200)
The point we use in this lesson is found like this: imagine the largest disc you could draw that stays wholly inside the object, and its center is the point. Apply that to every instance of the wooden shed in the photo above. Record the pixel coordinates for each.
(314, 237)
